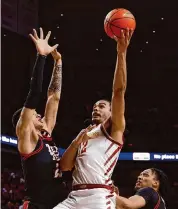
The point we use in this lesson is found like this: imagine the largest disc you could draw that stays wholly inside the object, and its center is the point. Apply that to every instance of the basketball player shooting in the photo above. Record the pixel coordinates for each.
(39, 155)
(95, 151)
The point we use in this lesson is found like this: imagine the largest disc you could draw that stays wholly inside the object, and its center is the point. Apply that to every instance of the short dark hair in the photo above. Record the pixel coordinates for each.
(104, 99)
(164, 186)
(107, 100)
(16, 117)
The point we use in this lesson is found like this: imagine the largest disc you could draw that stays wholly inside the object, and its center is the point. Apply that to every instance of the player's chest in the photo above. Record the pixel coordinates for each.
(49, 153)
(96, 146)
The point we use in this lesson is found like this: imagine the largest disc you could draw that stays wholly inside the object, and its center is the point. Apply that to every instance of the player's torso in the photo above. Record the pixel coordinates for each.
(96, 158)
(41, 167)
(158, 204)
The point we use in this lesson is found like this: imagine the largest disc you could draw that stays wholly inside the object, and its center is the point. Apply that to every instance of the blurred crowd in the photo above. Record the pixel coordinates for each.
(12, 189)
(125, 174)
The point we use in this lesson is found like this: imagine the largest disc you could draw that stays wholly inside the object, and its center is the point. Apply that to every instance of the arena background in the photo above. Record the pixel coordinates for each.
(89, 62)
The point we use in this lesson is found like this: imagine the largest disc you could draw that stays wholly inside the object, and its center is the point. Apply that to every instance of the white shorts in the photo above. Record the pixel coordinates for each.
(89, 199)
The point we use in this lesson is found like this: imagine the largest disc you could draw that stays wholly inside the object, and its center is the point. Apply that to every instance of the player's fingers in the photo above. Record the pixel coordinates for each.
(35, 34)
(54, 47)
(41, 33)
(32, 37)
(82, 133)
(89, 128)
(122, 34)
(48, 36)
(115, 38)
(130, 33)
(127, 34)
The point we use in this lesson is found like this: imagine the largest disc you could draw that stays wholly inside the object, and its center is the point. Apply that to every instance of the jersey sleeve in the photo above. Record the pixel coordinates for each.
(149, 194)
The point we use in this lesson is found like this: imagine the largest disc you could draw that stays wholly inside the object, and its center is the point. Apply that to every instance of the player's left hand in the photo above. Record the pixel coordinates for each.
(115, 189)
(124, 41)
(41, 43)
(82, 136)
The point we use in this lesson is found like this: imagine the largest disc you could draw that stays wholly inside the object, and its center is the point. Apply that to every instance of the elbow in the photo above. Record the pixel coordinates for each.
(57, 97)
(54, 96)
(119, 91)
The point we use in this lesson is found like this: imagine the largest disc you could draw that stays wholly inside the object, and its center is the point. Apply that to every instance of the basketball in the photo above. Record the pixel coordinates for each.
(117, 20)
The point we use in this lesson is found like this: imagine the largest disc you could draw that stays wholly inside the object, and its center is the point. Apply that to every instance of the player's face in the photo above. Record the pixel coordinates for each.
(37, 121)
(146, 179)
(101, 111)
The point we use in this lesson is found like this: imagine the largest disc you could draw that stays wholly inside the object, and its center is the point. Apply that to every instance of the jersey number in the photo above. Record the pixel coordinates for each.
(57, 173)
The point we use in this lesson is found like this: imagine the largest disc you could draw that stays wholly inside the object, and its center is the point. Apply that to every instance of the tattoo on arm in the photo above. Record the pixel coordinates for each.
(56, 80)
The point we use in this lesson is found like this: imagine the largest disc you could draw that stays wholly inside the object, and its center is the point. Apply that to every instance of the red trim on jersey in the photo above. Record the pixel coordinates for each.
(108, 202)
(111, 156)
(90, 186)
(25, 205)
(109, 147)
(111, 166)
(109, 207)
(25, 156)
(107, 180)
(108, 136)
(158, 203)
(47, 136)
(111, 195)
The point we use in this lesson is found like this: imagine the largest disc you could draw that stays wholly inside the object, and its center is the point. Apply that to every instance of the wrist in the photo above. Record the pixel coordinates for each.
(74, 144)
(58, 62)
(121, 53)
(41, 55)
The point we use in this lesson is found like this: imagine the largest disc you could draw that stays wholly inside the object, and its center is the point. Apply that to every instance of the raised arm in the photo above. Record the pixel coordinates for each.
(54, 92)
(25, 126)
(119, 88)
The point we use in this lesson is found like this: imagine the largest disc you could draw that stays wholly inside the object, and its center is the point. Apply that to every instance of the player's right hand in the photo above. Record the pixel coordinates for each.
(41, 43)
(124, 41)
(56, 55)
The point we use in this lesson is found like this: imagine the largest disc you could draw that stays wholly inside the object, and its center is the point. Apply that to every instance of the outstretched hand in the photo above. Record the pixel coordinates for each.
(41, 43)
(124, 41)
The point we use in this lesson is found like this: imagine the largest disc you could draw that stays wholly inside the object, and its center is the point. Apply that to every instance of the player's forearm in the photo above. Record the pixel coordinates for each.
(36, 83)
(68, 159)
(123, 203)
(120, 75)
(56, 80)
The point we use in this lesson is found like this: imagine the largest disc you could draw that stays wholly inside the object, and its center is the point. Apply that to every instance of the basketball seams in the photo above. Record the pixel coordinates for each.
(122, 18)
(117, 22)
(116, 27)
(111, 30)
(112, 15)
(111, 23)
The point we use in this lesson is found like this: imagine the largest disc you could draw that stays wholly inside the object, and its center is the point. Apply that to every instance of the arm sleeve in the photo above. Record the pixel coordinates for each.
(36, 83)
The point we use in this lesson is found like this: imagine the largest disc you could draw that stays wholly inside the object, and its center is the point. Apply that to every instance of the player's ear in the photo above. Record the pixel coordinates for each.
(155, 183)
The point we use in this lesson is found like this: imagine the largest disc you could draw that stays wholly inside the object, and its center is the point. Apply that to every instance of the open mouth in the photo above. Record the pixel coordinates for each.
(96, 115)
(39, 119)
(138, 182)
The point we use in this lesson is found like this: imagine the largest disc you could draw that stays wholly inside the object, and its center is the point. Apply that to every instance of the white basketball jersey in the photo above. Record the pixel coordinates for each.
(96, 158)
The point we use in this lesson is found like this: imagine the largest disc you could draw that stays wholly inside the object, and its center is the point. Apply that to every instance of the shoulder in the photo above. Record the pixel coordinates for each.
(149, 194)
